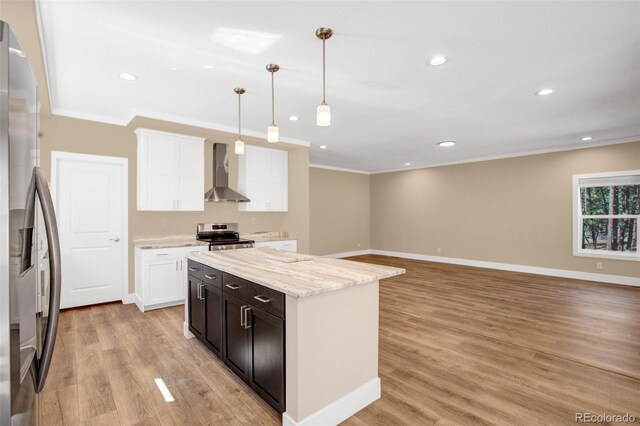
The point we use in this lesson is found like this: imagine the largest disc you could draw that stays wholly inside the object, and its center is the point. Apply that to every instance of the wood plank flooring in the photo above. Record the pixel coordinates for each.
(458, 345)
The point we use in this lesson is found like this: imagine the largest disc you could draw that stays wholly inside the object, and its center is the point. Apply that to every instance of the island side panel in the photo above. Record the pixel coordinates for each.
(331, 348)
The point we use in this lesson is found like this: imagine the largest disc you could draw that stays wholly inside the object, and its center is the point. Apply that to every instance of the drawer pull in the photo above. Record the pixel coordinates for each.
(233, 286)
(194, 269)
(262, 299)
(210, 277)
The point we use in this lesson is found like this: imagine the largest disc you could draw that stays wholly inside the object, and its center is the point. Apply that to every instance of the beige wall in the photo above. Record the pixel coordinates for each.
(339, 211)
(89, 137)
(516, 210)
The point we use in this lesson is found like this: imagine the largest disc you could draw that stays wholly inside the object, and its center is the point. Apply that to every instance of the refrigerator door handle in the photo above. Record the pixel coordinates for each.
(53, 241)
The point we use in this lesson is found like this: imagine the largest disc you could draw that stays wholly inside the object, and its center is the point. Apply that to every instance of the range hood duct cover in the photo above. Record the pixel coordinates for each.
(221, 192)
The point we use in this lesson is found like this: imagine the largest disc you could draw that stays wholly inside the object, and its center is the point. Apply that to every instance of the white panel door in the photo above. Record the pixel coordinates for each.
(90, 198)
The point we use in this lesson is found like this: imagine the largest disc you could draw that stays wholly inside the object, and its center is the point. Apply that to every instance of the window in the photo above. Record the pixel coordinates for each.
(606, 215)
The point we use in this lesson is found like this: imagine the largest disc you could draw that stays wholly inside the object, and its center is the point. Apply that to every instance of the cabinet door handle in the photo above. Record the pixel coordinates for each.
(233, 286)
(242, 308)
(201, 291)
(176, 265)
(262, 299)
(210, 277)
(162, 254)
(194, 269)
(181, 265)
(198, 292)
(247, 323)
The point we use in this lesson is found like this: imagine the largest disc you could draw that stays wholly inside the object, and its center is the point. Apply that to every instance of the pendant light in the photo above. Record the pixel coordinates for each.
(323, 117)
(273, 134)
(239, 145)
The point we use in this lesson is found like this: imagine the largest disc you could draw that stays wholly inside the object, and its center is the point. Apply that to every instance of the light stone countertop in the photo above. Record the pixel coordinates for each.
(265, 236)
(167, 241)
(295, 278)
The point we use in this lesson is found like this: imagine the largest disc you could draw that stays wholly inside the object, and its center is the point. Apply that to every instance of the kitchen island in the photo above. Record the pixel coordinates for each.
(301, 330)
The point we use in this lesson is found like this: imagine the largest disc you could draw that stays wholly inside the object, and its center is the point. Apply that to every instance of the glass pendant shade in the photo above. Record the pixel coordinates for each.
(323, 117)
(273, 134)
(239, 147)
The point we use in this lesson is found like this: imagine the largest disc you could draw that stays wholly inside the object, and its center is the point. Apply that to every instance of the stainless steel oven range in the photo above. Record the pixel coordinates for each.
(222, 236)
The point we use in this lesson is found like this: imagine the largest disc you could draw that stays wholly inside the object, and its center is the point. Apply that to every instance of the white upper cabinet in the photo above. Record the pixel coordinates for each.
(170, 171)
(263, 175)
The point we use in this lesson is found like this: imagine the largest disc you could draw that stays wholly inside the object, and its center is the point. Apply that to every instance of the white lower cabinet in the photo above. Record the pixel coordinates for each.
(289, 245)
(160, 276)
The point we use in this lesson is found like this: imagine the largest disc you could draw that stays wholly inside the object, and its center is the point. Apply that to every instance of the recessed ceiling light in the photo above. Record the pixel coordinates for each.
(545, 92)
(407, 164)
(174, 68)
(438, 60)
(128, 76)
(323, 147)
(244, 41)
(294, 118)
(446, 143)
(587, 138)
(208, 67)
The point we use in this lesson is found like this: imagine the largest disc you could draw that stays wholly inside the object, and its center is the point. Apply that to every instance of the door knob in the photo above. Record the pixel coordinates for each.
(114, 239)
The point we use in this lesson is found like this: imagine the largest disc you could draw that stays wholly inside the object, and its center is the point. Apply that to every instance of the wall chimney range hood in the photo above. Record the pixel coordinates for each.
(221, 191)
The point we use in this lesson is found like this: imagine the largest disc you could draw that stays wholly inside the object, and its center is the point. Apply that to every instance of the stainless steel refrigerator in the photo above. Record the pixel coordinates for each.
(29, 244)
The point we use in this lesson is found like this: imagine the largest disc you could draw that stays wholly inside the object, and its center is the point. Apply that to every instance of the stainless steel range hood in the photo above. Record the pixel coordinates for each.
(221, 191)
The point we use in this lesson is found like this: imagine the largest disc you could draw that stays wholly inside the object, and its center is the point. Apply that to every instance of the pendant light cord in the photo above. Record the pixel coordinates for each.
(273, 103)
(239, 119)
(324, 73)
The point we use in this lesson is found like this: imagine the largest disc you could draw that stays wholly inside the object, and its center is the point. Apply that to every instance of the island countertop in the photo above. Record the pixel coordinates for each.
(298, 275)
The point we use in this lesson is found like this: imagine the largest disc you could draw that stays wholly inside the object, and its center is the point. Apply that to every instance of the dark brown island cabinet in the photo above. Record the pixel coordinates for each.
(242, 323)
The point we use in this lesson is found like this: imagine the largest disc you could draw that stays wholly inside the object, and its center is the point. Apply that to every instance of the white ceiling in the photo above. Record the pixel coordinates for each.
(388, 105)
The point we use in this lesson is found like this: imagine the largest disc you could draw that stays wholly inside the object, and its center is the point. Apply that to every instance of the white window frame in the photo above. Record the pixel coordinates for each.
(577, 220)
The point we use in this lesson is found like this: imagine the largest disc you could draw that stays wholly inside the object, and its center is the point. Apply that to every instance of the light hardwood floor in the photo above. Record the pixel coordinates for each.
(458, 345)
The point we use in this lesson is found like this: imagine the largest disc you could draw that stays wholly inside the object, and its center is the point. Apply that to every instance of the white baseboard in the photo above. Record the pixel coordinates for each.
(340, 410)
(138, 302)
(129, 298)
(348, 254)
(186, 332)
(578, 275)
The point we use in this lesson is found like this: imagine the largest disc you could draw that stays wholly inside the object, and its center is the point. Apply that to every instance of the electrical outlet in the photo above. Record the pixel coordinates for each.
(359, 245)
(599, 265)
(163, 221)
(439, 250)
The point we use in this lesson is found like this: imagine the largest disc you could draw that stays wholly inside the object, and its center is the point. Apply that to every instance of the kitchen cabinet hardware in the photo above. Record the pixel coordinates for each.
(262, 299)
(210, 277)
(233, 286)
(247, 321)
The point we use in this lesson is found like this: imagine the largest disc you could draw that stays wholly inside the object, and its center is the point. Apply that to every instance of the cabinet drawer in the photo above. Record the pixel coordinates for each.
(267, 299)
(236, 286)
(211, 276)
(195, 269)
